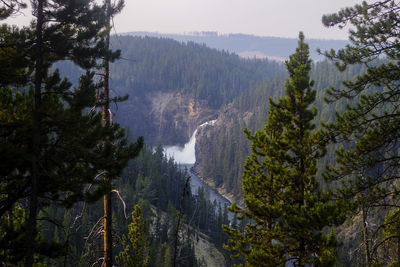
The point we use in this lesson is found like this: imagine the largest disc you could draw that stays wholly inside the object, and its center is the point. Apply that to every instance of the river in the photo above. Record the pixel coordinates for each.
(186, 157)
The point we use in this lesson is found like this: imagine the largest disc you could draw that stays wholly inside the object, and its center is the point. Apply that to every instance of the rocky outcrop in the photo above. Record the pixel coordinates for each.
(169, 118)
(221, 151)
(206, 253)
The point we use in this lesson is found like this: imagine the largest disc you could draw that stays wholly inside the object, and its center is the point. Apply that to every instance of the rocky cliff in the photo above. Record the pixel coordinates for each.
(169, 118)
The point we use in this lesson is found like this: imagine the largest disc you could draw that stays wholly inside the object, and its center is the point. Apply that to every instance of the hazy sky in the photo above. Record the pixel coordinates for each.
(283, 18)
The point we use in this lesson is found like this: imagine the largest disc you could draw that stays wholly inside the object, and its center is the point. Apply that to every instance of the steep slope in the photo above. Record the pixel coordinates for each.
(207, 253)
(222, 149)
(173, 87)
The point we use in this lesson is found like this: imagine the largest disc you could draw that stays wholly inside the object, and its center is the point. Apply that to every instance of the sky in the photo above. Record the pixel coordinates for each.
(280, 18)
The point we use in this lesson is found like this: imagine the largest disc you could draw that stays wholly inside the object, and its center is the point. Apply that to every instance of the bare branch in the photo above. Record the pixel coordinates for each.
(122, 200)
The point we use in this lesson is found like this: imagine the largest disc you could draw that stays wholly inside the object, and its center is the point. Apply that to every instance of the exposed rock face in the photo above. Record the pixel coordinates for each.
(166, 117)
(221, 151)
(207, 253)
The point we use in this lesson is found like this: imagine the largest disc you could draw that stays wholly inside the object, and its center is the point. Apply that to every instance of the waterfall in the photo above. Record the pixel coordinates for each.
(187, 153)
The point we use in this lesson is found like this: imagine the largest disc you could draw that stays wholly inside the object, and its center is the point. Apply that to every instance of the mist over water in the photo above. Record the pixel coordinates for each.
(186, 157)
(187, 153)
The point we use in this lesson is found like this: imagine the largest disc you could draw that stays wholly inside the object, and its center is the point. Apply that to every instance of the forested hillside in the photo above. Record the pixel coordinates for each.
(166, 80)
(224, 148)
(173, 87)
(269, 46)
(156, 184)
(308, 150)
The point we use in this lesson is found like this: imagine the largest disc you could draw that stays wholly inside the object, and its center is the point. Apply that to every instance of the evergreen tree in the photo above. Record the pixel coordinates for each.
(57, 144)
(136, 252)
(69, 35)
(106, 112)
(390, 234)
(10, 7)
(13, 229)
(287, 211)
(13, 60)
(368, 163)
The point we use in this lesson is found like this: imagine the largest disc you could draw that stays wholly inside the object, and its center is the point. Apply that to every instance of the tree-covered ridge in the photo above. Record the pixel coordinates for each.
(156, 184)
(367, 163)
(275, 47)
(225, 144)
(160, 64)
(161, 76)
(206, 74)
(281, 192)
(53, 149)
(58, 157)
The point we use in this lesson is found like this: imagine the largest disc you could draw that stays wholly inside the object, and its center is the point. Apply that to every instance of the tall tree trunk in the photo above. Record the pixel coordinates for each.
(302, 252)
(107, 121)
(365, 237)
(33, 199)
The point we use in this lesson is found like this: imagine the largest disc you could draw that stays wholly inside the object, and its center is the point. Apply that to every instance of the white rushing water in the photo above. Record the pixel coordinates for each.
(186, 157)
(187, 153)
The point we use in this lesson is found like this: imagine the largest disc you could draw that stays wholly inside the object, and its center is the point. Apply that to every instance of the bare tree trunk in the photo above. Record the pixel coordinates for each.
(365, 237)
(33, 199)
(107, 121)
(107, 229)
(302, 247)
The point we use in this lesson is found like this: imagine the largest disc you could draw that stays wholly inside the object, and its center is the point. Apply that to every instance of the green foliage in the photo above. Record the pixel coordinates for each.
(136, 246)
(52, 146)
(13, 60)
(391, 234)
(10, 7)
(281, 194)
(391, 224)
(165, 182)
(73, 138)
(13, 235)
(222, 150)
(368, 161)
(153, 67)
(207, 74)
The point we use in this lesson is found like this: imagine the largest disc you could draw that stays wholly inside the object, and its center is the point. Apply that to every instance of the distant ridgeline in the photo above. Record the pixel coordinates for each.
(160, 64)
(167, 80)
(249, 45)
(175, 86)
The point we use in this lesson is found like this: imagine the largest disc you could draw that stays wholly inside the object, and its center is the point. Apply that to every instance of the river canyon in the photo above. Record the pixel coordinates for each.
(185, 156)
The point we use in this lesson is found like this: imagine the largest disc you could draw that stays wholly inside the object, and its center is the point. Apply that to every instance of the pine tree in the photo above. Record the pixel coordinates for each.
(110, 10)
(69, 35)
(136, 246)
(13, 60)
(368, 163)
(390, 233)
(13, 229)
(58, 148)
(10, 7)
(282, 199)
